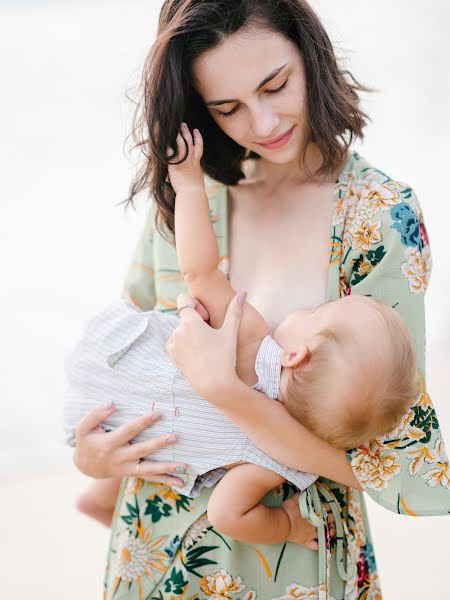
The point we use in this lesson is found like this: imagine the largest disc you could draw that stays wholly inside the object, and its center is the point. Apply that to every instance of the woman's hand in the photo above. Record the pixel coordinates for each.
(206, 356)
(101, 455)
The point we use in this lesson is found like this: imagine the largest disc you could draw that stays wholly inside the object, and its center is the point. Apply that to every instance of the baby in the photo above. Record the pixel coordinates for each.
(356, 347)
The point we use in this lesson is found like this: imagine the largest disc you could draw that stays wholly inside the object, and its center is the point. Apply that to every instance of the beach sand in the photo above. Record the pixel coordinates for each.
(48, 550)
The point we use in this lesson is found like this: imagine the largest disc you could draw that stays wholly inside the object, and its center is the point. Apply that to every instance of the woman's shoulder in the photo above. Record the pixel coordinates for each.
(376, 187)
(375, 215)
(368, 194)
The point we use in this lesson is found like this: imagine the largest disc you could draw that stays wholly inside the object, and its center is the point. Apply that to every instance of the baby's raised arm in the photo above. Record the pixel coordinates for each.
(196, 243)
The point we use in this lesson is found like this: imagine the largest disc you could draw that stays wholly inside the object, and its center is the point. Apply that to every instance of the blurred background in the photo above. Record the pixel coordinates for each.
(65, 246)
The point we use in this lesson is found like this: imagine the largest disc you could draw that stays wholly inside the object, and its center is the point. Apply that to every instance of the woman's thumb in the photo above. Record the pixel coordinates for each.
(234, 312)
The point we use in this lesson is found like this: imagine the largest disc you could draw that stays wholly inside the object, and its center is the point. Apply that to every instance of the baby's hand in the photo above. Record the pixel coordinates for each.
(188, 174)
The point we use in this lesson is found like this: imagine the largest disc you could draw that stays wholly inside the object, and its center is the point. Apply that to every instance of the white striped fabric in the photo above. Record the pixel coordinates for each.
(121, 357)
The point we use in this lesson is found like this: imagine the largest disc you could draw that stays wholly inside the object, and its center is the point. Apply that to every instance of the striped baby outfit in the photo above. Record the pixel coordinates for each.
(121, 357)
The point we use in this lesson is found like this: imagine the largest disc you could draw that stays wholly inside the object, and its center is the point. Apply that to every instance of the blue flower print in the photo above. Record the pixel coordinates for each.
(407, 223)
(369, 556)
(173, 547)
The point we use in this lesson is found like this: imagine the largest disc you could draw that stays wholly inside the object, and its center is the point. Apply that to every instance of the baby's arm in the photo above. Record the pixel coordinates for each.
(234, 507)
(196, 243)
(99, 500)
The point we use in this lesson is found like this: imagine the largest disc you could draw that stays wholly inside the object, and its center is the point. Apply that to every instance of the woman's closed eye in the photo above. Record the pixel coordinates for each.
(232, 111)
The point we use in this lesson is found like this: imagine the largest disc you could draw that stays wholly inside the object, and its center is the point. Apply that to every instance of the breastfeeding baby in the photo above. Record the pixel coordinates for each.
(347, 345)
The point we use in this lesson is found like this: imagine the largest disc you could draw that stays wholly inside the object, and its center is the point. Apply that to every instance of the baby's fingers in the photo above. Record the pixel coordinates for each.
(186, 133)
(181, 145)
(198, 144)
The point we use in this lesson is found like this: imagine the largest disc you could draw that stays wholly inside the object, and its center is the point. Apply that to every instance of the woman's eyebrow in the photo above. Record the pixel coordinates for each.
(269, 77)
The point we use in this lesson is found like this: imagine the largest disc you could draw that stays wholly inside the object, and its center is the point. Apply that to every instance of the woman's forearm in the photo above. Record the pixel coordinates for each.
(269, 425)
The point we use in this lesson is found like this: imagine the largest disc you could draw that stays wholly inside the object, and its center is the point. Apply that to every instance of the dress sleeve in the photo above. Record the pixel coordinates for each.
(139, 285)
(386, 254)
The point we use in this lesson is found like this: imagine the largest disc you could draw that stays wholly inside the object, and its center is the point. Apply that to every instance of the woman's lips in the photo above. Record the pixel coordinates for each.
(281, 141)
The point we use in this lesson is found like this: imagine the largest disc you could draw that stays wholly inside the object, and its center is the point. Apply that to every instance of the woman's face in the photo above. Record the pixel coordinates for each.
(253, 84)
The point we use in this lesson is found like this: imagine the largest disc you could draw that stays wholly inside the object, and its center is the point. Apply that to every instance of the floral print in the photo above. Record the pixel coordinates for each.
(417, 269)
(162, 545)
(374, 466)
(196, 532)
(366, 234)
(377, 217)
(138, 557)
(221, 584)
(300, 592)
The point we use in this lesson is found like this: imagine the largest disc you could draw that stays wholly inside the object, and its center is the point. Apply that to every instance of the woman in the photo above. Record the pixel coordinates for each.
(259, 79)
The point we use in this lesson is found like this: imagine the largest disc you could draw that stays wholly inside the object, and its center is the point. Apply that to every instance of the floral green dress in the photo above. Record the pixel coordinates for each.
(163, 548)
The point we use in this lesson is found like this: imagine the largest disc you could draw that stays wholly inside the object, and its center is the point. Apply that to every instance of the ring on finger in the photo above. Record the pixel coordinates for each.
(138, 465)
(185, 306)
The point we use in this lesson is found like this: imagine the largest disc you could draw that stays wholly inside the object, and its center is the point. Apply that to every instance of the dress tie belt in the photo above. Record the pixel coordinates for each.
(313, 509)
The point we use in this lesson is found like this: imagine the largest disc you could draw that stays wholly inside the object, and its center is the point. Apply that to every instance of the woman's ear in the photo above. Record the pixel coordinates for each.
(294, 358)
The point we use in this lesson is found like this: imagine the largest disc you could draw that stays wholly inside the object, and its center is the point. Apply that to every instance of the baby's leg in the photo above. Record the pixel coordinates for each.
(234, 506)
(99, 500)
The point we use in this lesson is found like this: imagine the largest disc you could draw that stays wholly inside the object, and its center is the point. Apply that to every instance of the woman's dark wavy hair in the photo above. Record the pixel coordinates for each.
(186, 29)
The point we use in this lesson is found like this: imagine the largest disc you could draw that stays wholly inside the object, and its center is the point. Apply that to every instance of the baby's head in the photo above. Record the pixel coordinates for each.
(348, 369)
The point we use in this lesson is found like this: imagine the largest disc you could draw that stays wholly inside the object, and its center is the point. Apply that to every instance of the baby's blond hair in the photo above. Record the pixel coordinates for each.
(360, 415)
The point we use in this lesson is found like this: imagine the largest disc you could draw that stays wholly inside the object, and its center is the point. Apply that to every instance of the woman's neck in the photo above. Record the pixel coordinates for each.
(274, 176)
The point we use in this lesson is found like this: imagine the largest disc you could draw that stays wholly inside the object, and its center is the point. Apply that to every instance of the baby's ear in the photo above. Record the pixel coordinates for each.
(294, 358)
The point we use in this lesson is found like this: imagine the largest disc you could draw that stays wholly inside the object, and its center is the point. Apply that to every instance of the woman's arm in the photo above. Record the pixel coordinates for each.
(266, 422)
(269, 425)
(407, 469)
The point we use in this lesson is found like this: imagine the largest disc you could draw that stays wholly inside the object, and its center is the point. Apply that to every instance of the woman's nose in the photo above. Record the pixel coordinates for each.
(264, 123)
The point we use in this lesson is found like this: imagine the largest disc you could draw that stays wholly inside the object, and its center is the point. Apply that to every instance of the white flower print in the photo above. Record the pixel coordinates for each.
(417, 269)
(220, 584)
(196, 532)
(300, 592)
(374, 466)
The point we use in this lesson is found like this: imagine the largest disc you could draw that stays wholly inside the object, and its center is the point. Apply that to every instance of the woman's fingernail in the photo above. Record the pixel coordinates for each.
(241, 298)
(172, 439)
(180, 470)
(108, 405)
(154, 415)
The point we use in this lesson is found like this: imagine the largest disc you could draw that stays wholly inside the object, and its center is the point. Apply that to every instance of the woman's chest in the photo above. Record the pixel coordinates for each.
(281, 257)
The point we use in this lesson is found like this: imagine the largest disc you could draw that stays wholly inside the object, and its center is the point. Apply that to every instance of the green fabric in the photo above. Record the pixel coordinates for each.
(162, 547)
